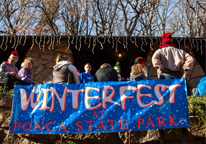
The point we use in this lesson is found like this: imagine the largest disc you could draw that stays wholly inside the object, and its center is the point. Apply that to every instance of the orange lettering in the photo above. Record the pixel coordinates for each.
(90, 125)
(139, 123)
(150, 122)
(47, 127)
(16, 125)
(62, 125)
(112, 123)
(161, 122)
(171, 121)
(79, 126)
(95, 114)
(101, 123)
(39, 126)
(29, 126)
(123, 124)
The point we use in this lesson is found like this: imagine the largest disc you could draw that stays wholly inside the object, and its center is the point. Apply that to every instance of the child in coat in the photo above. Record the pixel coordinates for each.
(25, 71)
(9, 72)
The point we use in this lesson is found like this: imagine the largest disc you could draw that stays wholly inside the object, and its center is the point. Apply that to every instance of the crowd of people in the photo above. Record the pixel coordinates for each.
(168, 60)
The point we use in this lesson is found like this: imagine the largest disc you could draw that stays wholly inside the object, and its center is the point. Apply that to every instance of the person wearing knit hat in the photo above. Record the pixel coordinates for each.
(138, 73)
(170, 60)
(9, 72)
(117, 68)
(142, 61)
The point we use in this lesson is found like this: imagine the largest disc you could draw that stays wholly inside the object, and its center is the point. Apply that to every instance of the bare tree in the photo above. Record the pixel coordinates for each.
(16, 16)
(132, 10)
(47, 16)
(199, 8)
(103, 17)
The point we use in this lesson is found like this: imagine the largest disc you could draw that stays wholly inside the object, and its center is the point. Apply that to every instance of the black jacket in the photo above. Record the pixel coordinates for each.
(106, 74)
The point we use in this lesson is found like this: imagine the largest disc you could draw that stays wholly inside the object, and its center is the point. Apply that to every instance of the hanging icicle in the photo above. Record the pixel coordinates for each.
(179, 41)
(193, 42)
(44, 43)
(17, 43)
(131, 40)
(60, 39)
(112, 42)
(119, 40)
(126, 44)
(185, 42)
(20, 40)
(156, 39)
(76, 42)
(2, 43)
(135, 42)
(32, 42)
(72, 42)
(101, 43)
(48, 40)
(24, 40)
(68, 42)
(14, 42)
(80, 43)
(85, 39)
(142, 45)
(6, 43)
(36, 40)
(10, 39)
(191, 46)
(51, 41)
(116, 44)
(109, 39)
(197, 46)
(201, 46)
(94, 44)
(145, 40)
(40, 42)
(151, 43)
(89, 42)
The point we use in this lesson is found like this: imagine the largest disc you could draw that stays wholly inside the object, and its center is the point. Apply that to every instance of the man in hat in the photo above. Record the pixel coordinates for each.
(169, 60)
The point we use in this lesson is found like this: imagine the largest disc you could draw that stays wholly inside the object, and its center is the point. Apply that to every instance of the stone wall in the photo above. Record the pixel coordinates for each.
(166, 136)
(44, 60)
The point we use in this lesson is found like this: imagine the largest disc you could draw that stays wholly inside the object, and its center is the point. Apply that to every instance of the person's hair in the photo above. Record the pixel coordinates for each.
(27, 62)
(105, 65)
(87, 64)
(61, 57)
(138, 69)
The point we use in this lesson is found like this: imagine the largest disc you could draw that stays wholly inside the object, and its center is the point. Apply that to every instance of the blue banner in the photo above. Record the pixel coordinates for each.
(100, 107)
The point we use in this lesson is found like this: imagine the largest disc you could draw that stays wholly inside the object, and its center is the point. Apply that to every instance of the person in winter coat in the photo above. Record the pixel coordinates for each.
(9, 72)
(64, 71)
(170, 60)
(25, 71)
(106, 73)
